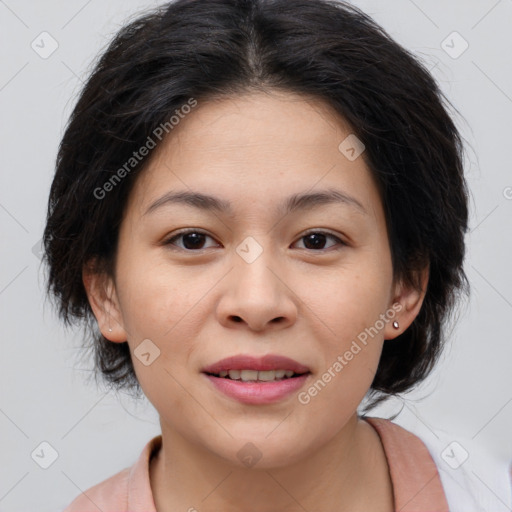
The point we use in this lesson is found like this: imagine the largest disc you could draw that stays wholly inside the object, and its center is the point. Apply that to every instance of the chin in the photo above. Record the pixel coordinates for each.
(265, 451)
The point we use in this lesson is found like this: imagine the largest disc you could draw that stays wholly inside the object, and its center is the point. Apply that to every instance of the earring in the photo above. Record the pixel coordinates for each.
(396, 325)
(110, 328)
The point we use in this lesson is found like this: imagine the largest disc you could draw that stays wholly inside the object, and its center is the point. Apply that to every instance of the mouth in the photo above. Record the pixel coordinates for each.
(252, 368)
(257, 380)
(256, 375)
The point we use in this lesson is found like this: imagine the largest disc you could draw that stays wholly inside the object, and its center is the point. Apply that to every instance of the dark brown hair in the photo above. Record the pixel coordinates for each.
(323, 48)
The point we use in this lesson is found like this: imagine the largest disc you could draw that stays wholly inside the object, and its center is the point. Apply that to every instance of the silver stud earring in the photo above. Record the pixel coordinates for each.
(396, 325)
(110, 329)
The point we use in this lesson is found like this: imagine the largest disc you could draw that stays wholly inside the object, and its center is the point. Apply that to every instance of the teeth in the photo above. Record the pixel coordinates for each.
(267, 375)
(234, 374)
(254, 375)
(246, 375)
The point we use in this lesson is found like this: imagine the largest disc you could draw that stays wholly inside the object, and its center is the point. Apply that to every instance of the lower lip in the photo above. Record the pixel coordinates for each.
(258, 392)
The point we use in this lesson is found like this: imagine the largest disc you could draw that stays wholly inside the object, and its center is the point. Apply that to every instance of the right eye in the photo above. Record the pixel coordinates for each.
(192, 240)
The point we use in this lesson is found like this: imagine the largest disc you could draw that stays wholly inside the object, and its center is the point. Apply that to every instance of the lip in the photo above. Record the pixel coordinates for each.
(257, 393)
(247, 362)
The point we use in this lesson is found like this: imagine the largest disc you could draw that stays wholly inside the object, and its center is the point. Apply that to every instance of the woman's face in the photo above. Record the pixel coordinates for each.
(286, 256)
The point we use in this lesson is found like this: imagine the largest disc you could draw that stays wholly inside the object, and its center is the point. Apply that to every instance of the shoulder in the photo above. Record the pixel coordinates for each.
(414, 474)
(112, 492)
(404, 450)
(126, 490)
(396, 438)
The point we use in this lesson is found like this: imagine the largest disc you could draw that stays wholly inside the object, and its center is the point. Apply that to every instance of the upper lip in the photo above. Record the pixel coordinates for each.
(248, 362)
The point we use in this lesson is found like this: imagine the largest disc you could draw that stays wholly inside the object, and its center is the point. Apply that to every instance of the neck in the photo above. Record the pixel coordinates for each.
(349, 473)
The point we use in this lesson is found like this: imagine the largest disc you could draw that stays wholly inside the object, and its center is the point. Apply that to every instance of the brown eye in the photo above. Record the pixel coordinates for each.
(191, 240)
(316, 240)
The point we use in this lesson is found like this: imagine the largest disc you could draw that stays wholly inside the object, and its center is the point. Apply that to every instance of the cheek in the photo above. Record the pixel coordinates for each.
(348, 306)
(161, 302)
(156, 295)
(349, 299)
(350, 310)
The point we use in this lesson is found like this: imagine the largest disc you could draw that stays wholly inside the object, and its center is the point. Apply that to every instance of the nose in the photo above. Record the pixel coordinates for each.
(256, 296)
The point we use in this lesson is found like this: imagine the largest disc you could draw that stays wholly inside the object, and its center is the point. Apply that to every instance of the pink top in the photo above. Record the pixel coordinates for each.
(416, 483)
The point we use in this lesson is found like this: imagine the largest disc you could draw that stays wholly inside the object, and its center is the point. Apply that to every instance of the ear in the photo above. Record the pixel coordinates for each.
(102, 296)
(407, 302)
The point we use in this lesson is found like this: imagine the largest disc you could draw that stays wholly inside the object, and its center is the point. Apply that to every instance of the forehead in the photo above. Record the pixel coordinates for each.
(254, 146)
(273, 117)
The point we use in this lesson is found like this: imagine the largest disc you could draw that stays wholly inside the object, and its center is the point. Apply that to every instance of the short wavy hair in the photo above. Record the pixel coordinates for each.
(219, 48)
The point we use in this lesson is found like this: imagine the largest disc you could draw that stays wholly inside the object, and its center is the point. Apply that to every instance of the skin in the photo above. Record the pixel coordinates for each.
(305, 301)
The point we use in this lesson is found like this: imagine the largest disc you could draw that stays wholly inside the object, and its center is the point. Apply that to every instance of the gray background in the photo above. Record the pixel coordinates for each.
(45, 394)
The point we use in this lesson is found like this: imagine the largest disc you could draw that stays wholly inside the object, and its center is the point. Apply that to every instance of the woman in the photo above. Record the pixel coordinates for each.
(261, 205)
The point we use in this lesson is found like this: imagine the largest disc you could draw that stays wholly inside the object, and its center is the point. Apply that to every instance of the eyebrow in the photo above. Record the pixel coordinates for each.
(299, 201)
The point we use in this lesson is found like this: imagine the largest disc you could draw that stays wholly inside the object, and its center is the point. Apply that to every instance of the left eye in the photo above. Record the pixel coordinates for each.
(317, 238)
(314, 240)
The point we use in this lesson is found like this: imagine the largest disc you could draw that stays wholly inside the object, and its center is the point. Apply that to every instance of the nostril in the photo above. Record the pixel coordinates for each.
(274, 320)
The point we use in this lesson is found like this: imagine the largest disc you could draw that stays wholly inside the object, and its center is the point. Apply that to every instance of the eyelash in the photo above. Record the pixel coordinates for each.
(169, 241)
